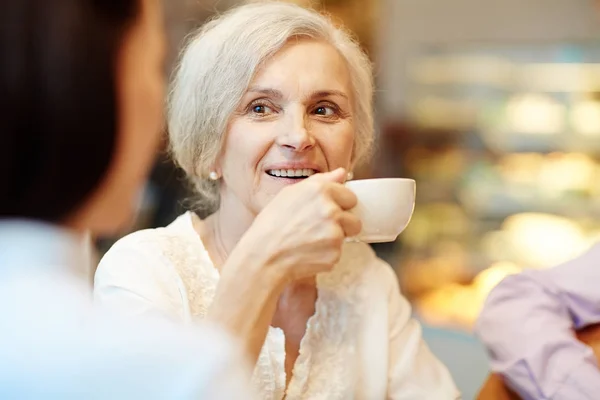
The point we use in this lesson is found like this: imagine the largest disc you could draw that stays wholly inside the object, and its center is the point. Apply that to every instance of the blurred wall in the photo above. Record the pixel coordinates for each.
(183, 15)
(408, 25)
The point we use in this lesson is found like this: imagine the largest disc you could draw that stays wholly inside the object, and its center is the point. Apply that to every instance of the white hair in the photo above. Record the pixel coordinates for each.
(218, 64)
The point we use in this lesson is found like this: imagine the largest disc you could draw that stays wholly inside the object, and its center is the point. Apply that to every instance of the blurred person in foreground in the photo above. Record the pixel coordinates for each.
(270, 106)
(81, 99)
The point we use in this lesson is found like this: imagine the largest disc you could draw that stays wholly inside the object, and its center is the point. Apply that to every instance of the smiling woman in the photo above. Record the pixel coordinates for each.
(330, 67)
(270, 107)
(296, 116)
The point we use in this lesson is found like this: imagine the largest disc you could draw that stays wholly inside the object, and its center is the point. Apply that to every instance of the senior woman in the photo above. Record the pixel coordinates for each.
(266, 96)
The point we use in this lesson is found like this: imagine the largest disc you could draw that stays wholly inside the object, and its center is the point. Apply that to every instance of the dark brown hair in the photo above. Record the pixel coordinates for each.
(58, 101)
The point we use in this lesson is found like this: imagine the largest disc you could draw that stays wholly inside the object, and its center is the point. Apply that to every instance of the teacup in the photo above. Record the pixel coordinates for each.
(384, 207)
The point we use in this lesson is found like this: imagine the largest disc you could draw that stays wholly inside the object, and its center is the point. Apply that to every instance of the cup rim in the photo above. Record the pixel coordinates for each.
(383, 179)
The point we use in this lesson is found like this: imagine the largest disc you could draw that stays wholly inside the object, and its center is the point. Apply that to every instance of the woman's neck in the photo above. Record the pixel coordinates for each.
(225, 228)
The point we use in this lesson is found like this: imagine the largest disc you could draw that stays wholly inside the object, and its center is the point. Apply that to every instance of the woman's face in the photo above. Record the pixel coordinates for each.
(296, 119)
(140, 99)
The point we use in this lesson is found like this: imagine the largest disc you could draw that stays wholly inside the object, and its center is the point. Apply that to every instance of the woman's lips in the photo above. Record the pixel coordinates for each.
(291, 172)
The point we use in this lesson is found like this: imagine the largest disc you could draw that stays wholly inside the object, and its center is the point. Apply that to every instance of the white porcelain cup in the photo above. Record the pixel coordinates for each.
(384, 207)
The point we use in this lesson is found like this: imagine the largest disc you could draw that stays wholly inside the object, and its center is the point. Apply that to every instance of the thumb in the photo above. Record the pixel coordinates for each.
(337, 175)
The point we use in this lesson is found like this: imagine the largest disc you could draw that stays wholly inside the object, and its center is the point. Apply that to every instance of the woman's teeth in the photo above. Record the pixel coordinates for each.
(295, 173)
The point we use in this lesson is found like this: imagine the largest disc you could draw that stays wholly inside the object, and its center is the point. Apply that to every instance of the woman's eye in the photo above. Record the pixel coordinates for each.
(325, 111)
(261, 109)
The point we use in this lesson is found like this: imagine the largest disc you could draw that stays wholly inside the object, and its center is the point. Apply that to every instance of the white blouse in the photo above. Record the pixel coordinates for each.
(361, 343)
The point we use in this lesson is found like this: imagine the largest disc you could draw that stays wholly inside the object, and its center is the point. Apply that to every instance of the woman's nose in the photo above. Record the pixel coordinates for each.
(295, 135)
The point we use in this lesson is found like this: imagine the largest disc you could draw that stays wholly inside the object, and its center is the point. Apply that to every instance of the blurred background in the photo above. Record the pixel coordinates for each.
(493, 106)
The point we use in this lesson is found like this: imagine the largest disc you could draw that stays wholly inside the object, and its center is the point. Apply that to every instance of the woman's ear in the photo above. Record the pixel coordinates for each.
(213, 172)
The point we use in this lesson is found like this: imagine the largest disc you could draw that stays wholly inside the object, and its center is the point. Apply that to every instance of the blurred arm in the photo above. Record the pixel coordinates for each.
(495, 388)
(528, 325)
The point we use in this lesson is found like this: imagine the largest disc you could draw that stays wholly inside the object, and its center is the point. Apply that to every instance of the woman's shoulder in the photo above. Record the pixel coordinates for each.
(177, 234)
(156, 269)
(174, 245)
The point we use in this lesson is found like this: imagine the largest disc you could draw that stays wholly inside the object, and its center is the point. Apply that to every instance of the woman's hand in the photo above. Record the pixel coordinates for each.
(299, 234)
(301, 231)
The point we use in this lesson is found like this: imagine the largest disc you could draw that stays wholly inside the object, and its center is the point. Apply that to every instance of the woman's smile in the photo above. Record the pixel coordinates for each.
(291, 172)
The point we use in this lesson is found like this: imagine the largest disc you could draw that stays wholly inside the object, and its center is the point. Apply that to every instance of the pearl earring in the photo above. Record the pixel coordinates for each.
(349, 176)
(213, 176)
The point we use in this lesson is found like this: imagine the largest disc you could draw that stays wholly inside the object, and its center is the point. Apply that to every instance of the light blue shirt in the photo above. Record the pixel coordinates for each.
(55, 345)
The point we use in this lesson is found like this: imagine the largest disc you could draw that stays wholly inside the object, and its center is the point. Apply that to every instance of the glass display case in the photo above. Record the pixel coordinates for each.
(505, 146)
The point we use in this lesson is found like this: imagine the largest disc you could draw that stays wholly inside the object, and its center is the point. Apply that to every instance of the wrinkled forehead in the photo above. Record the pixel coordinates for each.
(303, 66)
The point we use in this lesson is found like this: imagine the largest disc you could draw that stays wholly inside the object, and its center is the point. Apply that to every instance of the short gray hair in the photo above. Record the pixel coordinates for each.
(218, 64)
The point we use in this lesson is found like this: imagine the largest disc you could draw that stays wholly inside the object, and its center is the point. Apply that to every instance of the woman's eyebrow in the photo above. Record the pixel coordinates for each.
(268, 91)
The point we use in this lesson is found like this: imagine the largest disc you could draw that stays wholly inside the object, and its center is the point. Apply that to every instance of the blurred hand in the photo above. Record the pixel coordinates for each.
(591, 337)
(495, 389)
(302, 230)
